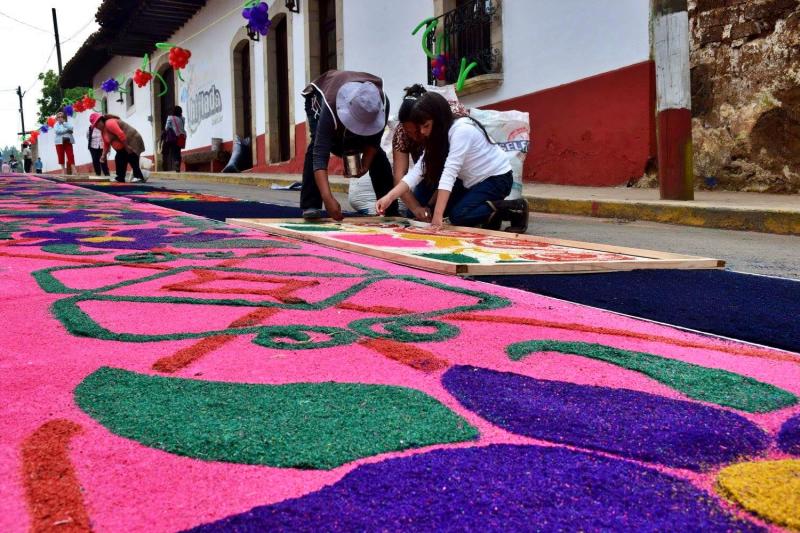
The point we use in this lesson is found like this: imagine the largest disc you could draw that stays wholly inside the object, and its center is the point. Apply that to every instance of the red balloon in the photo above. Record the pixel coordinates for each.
(51, 121)
(141, 77)
(88, 102)
(78, 106)
(179, 57)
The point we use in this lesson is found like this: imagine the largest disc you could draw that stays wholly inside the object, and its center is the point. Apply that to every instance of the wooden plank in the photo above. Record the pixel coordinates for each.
(647, 259)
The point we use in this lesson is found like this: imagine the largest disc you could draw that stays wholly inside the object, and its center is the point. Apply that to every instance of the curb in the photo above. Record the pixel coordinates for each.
(775, 221)
(730, 218)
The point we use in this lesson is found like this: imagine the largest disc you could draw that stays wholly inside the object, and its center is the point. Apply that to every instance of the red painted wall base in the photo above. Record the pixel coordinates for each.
(598, 131)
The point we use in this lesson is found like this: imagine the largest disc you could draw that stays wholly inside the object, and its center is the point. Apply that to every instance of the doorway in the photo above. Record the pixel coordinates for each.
(279, 122)
(243, 101)
(162, 108)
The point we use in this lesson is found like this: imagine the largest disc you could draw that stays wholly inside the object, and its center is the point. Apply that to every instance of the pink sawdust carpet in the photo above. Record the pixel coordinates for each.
(163, 372)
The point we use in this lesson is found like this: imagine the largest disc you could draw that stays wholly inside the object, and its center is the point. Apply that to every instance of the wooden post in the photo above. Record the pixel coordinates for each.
(670, 43)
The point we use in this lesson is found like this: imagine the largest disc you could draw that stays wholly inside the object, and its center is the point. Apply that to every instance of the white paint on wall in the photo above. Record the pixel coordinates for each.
(378, 40)
(671, 52)
(546, 43)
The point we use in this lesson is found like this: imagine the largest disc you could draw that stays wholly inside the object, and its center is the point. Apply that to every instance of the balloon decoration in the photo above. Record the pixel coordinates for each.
(178, 57)
(440, 60)
(110, 85)
(89, 102)
(439, 67)
(257, 16)
(430, 25)
(141, 77)
(463, 71)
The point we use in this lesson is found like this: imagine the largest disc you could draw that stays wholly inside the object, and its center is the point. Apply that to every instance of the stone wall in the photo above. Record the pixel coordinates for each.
(746, 93)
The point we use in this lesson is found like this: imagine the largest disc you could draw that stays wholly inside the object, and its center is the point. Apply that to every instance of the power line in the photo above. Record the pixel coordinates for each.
(78, 32)
(24, 23)
(53, 49)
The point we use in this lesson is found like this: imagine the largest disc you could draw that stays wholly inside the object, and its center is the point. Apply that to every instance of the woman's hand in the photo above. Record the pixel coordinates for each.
(383, 204)
(422, 213)
(437, 221)
(103, 158)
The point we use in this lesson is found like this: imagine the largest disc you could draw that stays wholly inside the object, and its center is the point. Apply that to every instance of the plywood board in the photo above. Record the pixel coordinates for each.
(470, 251)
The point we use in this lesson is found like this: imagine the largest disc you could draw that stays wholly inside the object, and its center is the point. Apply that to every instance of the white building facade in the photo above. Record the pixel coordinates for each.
(581, 68)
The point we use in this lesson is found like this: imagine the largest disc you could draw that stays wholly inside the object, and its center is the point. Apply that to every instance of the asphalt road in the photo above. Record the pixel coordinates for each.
(757, 253)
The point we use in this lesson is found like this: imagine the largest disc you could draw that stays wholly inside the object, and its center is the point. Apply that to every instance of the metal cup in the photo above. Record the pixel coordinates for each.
(352, 164)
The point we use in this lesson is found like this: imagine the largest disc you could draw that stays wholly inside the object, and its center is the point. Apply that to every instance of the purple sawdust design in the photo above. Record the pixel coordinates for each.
(629, 423)
(495, 488)
(133, 239)
(789, 436)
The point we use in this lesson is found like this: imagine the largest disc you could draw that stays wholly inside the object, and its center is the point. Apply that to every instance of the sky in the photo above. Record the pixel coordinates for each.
(25, 52)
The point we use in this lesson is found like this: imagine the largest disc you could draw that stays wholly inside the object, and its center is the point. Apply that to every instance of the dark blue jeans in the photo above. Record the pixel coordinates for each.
(468, 207)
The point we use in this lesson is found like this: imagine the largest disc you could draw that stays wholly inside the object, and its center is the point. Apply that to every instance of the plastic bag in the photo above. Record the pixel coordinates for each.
(511, 131)
(361, 195)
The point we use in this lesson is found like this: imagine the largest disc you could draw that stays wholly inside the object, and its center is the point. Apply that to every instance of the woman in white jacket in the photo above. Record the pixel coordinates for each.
(462, 174)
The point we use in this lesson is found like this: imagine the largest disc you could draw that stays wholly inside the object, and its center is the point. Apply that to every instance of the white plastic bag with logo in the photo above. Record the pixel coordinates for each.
(511, 131)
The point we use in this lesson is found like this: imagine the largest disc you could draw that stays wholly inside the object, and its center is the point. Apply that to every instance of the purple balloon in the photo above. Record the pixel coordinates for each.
(44, 128)
(110, 85)
(258, 17)
(68, 110)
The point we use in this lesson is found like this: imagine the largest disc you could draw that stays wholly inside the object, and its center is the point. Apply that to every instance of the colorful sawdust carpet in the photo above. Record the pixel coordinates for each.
(164, 372)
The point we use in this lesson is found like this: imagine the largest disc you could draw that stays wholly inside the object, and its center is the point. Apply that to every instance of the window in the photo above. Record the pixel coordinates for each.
(470, 30)
(129, 98)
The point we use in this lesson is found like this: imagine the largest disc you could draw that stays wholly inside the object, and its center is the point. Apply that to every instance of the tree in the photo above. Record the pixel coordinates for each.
(50, 102)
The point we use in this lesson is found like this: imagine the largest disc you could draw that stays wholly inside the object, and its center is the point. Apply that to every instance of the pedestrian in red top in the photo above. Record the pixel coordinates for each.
(125, 140)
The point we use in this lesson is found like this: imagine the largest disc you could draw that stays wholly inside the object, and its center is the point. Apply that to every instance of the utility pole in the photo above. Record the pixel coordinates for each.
(670, 43)
(21, 112)
(58, 41)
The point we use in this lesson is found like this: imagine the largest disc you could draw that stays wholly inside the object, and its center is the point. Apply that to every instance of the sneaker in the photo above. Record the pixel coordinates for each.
(518, 215)
(119, 180)
(312, 214)
(138, 180)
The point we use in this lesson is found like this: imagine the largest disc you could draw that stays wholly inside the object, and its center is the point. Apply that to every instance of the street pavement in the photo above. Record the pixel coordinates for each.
(756, 253)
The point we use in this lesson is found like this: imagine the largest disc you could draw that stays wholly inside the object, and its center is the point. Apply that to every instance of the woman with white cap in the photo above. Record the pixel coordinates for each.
(347, 113)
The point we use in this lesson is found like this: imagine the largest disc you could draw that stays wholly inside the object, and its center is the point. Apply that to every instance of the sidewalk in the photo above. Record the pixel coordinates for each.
(766, 213)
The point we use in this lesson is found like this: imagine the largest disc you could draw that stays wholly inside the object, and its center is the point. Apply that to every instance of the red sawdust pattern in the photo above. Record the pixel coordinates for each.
(53, 258)
(282, 293)
(743, 350)
(406, 354)
(375, 309)
(186, 356)
(51, 487)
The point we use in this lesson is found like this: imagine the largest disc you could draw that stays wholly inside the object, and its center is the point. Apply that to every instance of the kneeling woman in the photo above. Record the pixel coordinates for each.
(461, 174)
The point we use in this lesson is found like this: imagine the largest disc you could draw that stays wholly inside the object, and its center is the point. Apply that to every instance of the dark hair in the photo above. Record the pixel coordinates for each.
(177, 111)
(413, 94)
(433, 106)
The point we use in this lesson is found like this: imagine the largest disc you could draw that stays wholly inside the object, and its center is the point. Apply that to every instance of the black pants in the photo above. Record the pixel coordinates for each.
(380, 171)
(122, 160)
(171, 153)
(28, 164)
(98, 166)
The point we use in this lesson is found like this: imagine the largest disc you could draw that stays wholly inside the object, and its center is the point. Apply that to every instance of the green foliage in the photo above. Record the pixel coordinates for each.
(53, 95)
(8, 151)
